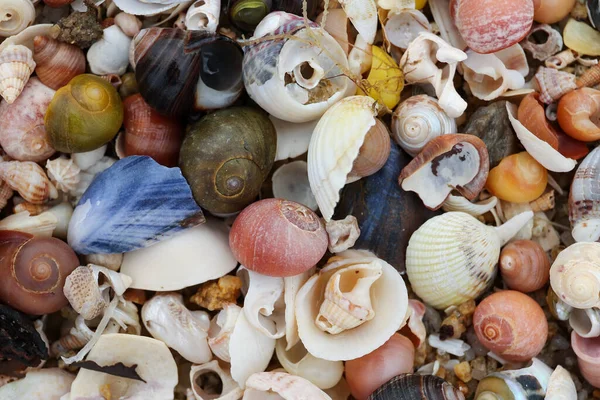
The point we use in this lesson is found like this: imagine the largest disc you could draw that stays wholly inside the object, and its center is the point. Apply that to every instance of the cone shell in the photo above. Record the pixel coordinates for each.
(29, 179)
(57, 62)
(524, 266)
(16, 66)
(584, 200)
(578, 114)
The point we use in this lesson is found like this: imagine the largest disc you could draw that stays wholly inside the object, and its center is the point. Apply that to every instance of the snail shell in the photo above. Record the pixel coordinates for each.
(587, 350)
(524, 266)
(584, 200)
(512, 325)
(202, 375)
(29, 179)
(203, 16)
(407, 386)
(518, 178)
(578, 113)
(16, 66)
(110, 54)
(525, 383)
(418, 120)
(226, 156)
(550, 46)
(34, 271)
(57, 62)
(554, 84)
(16, 16)
(551, 11)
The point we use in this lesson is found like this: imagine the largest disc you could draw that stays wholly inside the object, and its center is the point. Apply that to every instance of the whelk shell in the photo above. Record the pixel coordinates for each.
(16, 66)
(584, 200)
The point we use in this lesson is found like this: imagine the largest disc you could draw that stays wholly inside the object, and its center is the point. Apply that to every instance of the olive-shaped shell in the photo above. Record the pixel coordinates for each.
(524, 266)
(278, 237)
(511, 324)
(410, 387)
(84, 115)
(33, 271)
(226, 156)
(584, 200)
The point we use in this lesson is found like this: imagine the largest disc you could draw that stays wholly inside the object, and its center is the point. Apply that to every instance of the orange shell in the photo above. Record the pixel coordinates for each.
(512, 325)
(518, 178)
(57, 62)
(374, 152)
(551, 11)
(524, 266)
(579, 114)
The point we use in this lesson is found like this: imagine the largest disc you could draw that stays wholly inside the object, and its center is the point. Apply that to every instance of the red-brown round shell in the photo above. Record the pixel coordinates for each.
(524, 266)
(488, 26)
(512, 325)
(278, 237)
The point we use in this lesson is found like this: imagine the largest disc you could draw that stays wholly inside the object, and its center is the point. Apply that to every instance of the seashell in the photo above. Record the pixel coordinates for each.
(529, 382)
(369, 372)
(363, 15)
(138, 7)
(561, 385)
(108, 226)
(373, 153)
(221, 327)
(292, 139)
(17, 65)
(524, 266)
(411, 386)
(22, 133)
(368, 275)
(518, 178)
(593, 9)
(32, 209)
(418, 120)
(295, 227)
(508, 210)
(543, 203)
(227, 181)
(582, 38)
(533, 117)
(459, 203)
(590, 78)
(462, 238)
(247, 14)
(551, 45)
(154, 364)
(29, 179)
(331, 160)
(586, 350)
(577, 112)
(385, 80)
(203, 375)
(128, 85)
(148, 133)
(440, 10)
(491, 124)
(281, 385)
(573, 275)
(26, 36)
(296, 7)
(193, 256)
(488, 26)
(561, 60)
(87, 160)
(129, 24)
(57, 62)
(415, 328)
(299, 362)
(292, 285)
(420, 65)
(290, 182)
(541, 151)
(203, 16)
(342, 234)
(197, 87)
(17, 15)
(34, 270)
(428, 174)
(404, 25)
(6, 192)
(337, 25)
(551, 11)
(41, 225)
(39, 384)
(558, 308)
(63, 173)
(583, 201)
(544, 232)
(585, 322)
(167, 319)
(554, 84)
(110, 55)
(267, 63)
(110, 261)
(384, 211)
(491, 75)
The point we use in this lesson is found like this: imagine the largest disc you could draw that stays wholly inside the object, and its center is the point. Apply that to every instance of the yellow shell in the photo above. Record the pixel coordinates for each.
(419, 4)
(385, 80)
(582, 38)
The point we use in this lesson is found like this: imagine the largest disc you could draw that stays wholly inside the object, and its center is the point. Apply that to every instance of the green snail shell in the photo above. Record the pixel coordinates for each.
(84, 115)
(226, 157)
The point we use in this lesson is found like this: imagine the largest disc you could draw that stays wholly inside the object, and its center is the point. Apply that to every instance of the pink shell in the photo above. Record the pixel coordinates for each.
(488, 26)
(588, 357)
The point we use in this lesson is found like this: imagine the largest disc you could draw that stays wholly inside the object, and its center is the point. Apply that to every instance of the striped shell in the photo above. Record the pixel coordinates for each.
(29, 179)
(584, 199)
(16, 66)
(409, 386)
(63, 173)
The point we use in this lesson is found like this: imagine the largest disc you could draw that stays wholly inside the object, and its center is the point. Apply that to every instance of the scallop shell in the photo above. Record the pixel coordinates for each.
(203, 15)
(63, 173)
(560, 385)
(452, 258)
(584, 199)
(404, 25)
(286, 387)
(229, 389)
(29, 179)
(554, 84)
(43, 224)
(542, 51)
(334, 146)
(16, 66)
(290, 182)
(15, 16)
(418, 120)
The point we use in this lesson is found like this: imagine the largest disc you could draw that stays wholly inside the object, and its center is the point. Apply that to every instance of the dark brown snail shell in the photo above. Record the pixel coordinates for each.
(412, 387)
(33, 272)
(226, 157)
(181, 71)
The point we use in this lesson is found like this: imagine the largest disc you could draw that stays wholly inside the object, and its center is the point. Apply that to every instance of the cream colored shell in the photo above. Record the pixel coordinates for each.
(16, 66)
(279, 385)
(39, 384)
(561, 385)
(229, 391)
(221, 327)
(38, 225)
(452, 258)
(15, 16)
(29, 179)
(459, 203)
(203, 15)
(63, 173)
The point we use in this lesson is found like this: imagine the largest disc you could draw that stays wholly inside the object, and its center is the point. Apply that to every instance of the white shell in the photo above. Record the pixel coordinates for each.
(561, 60)
(404, 25)
(219, 333)
(335, 145)
(290, 182)
(510, 210)
(561, 385)
(455, 347)
(63, 173)
(440, 10)
(110, 261)
(543, 153)
(15, 16)
(39, 225)
(230, 390)
(281, 386)
(292, 138)
(39, 384)
(551, 46)
(129, 24)
(292, 285)
(363, 15)
(110, 54)
(543, 232)
(342, 234)
(353, 343)
(63, 213)
(86, 160)
(154, 361)
(26, 37)
(459, 203)
(298, 361)
(137, 7)
(418, 120)
(360, 59)
(585, 322)
(203, 15)
(167, 319)
(16, 66)
(194, 256)
(420, 65)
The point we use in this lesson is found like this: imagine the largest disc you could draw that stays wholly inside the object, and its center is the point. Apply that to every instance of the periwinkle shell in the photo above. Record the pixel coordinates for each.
(387, 215)
(491, 124)
(133, 204)
(412, 387)
(226, 157)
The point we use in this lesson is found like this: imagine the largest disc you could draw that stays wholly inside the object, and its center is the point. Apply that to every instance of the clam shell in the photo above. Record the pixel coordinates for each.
(16, 66)
(290, 182)
(584, 199)
(16, 16)
(133, 204)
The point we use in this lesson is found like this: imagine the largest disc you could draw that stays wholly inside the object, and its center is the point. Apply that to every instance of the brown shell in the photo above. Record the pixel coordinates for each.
(57, 62)
(374, 152)
(578, 114)
(524, 266)
(591, 77)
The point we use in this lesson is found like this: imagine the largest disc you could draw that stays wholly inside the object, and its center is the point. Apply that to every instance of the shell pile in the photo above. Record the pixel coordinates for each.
(300, 199)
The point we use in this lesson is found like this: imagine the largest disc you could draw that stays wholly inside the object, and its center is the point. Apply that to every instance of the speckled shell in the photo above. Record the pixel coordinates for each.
(409, 387)
(584, 199)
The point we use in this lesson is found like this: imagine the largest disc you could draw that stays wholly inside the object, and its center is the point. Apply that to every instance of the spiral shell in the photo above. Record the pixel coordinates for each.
(415, 387)
(418, 120)
(15, 16)
(518, 178)
(63, 173)
(202, 375)
(29, 179)
(404, 25)
(57, 62)
(16, 66)
(525, 383)
(524, 266)
(590, 78)
(6, 192)
(554, 84)
(584, 199)
(578, 113)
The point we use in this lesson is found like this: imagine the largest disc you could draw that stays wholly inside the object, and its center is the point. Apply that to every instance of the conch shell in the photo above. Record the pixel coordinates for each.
(16, 66)
(584, 200)
(15, 16)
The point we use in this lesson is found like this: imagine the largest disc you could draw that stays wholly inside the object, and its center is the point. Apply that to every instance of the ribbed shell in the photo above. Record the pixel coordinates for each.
(451, 258)
(413, 387)
(29, 179)
(554, 84)
(584, 199)
(57, 62)
(16, 66)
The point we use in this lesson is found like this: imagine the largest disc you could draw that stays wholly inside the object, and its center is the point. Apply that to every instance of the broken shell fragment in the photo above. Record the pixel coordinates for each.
(342, 234)
(584, 201)
(221, 327)
(290, 182)
(578, 114)
(404, 25)
(42, 224)
(279, 385)
(459, 203)
(585, 322)
(560, 385)
(449, 162)
(39, 384)
(203, 375)
(551, 45)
